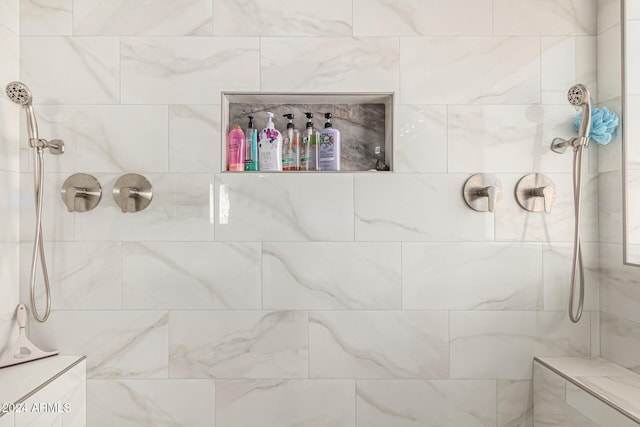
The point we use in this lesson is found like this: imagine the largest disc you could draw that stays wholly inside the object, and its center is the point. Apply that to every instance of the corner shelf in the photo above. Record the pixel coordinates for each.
(365, 121)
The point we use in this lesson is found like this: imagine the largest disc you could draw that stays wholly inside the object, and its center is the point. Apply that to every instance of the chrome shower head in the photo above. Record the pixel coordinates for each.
(19, 93)
(579, 96)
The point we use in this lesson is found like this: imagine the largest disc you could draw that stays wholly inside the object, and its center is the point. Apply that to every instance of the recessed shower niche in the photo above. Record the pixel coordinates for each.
(365, 122)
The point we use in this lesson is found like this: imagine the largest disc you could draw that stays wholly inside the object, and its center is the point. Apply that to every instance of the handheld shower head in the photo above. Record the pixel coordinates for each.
(19, 93)
(579, 96)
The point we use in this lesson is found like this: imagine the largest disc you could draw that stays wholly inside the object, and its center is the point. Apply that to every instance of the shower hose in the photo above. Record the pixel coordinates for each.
(38, 245)
(577, 267)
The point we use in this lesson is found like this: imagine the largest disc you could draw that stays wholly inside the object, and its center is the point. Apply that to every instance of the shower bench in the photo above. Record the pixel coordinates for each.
(50, 391)
(585, 392)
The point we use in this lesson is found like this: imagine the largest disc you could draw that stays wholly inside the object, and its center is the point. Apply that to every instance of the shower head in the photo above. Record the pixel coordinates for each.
(579, 96)
(19, 93)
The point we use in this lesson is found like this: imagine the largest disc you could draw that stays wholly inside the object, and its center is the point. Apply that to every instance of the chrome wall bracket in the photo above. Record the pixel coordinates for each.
(536, 193)
(81, 192)
(482, 192)
(132, 192)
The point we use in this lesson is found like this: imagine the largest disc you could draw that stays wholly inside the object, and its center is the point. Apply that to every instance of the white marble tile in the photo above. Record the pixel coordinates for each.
(191, 275)
(585, 366)
(515, 224)
(10, 136)
(238, 344)
(633, 9)
(461, 70)
(181, 210)
(408, 403)
(595, 333)
(608, 14)
(279, 403)
(77, 400)
(497, 138)
(609, 55)
(318, 275)
(284, 18)
(596, 410)
(444, 276)
(123, 17)
(401, 207)
(55, 394)
(10, 71)
(118, 344)
(566, 61)
(150, 403)
(10, 15)
(620, 341)
(82, 275)
(57, 222)
(420, 140)
(515, 403)
(619, 284)
(10, 206)
(379, 344)
(9, 280)
(46, 61)
(632, 53)
(610, 155)
(610, 206)
(557, 263)
(46, 18)
(549, 406)
(7, 420)
(632, 133)
(284, 207)
(104, 138)
(327, 64)
(545, 17)
(187, 70)
(501, 345)
(422, 18)
(195, 144)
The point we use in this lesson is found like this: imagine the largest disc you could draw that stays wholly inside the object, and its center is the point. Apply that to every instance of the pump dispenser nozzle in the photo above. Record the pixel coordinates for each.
(290, 117)
(270, 124)
(309, 117)
(328, 116)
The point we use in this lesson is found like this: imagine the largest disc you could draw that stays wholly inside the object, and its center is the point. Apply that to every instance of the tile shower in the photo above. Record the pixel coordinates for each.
(428, 311)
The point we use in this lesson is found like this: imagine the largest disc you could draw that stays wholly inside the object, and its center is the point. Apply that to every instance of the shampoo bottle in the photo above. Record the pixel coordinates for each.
(309, 147)
(329, 147)
(235, 149)
(291, 146)
(270, 147)
(251, 151)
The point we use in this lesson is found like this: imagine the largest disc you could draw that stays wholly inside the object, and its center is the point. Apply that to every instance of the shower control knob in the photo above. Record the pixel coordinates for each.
(81, 192)
(482, 192)
(132, 192)
(536, 193)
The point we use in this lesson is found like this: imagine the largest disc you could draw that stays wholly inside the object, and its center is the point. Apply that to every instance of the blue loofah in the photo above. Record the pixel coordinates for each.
(603, 125)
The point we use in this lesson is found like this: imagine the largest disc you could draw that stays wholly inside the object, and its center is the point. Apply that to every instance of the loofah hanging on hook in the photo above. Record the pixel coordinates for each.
(603, 125)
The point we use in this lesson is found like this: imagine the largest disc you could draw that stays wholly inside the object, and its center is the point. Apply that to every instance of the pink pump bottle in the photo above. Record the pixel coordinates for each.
(236, 149)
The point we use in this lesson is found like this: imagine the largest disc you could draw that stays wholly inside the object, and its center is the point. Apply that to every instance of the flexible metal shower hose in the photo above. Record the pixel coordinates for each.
(577, 266)
(38, 245)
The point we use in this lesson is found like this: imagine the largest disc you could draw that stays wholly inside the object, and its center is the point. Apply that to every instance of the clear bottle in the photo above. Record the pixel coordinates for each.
(329, 147)
(309, 147)
(251, 147)
(270, 147)
(291, 146)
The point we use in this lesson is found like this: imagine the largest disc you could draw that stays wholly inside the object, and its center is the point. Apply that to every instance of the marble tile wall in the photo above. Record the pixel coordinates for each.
(9, 173)
(344, 299)
(619, 284)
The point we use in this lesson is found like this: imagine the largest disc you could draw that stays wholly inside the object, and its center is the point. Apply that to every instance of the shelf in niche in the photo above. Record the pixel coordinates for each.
(365, 121)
